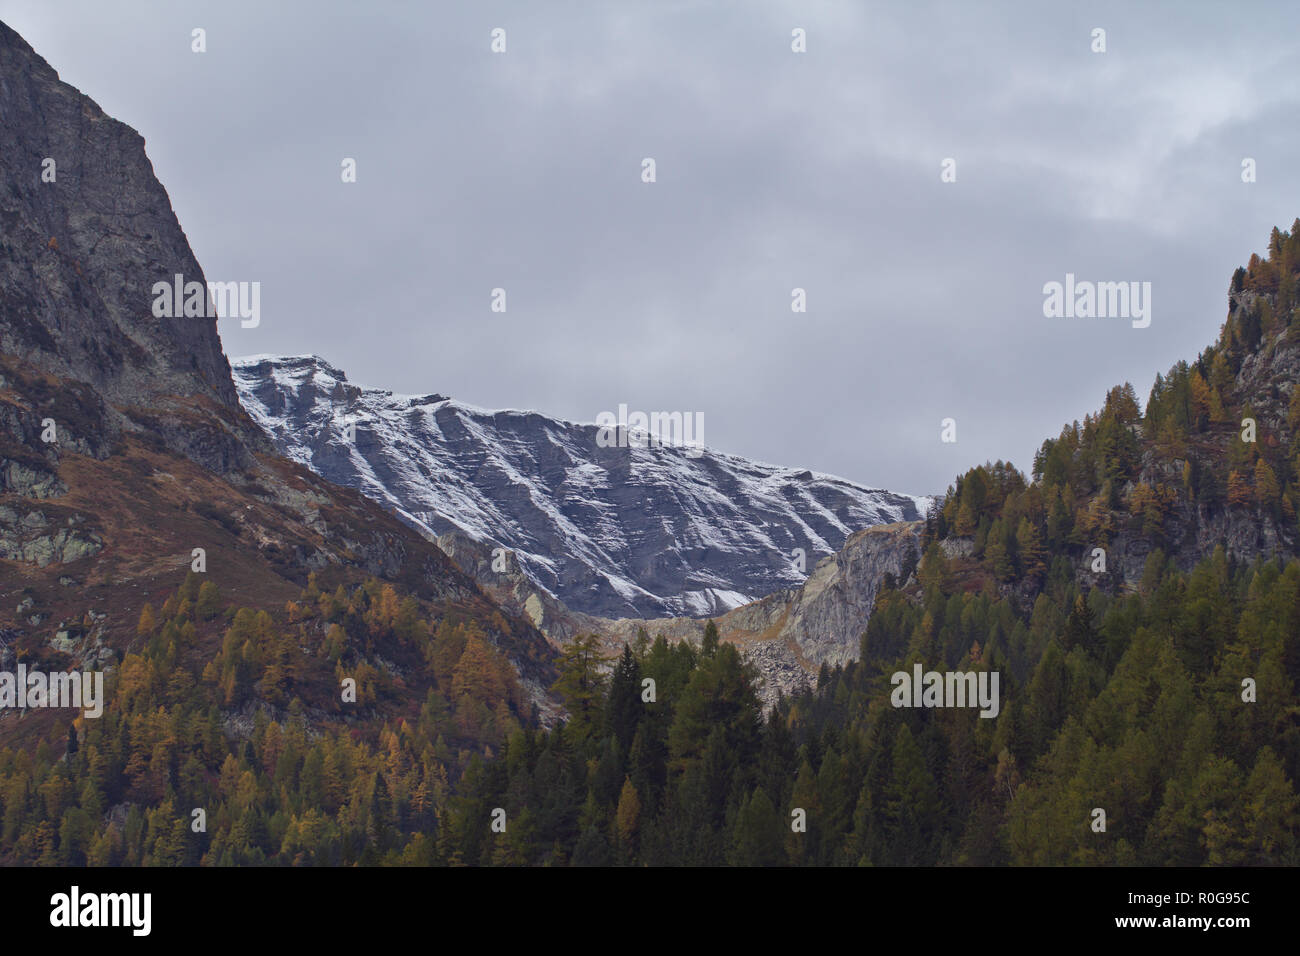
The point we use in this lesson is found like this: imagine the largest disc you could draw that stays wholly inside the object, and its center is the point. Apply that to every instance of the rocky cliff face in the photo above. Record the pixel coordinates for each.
(1267, 378)
(123, 445)
(787, 635)
(825, 618)
(86, 230)
(612, 532)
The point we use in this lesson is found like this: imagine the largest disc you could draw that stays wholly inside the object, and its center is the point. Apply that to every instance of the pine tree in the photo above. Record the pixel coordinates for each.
(1267, 492)
(718, 698)
(647, 768)
(208, 603)
(592, 849)
(625, 708)
(1030, 546)
(1239, 492)
(911, 805)
(709, 643)
(934, 574)
(148, 623)
(628, 815)
(1079, 628)
(965, 524)
(758, 833)
(581, 684)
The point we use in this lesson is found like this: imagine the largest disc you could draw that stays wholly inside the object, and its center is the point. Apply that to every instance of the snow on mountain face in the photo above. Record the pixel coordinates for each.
(613, 532)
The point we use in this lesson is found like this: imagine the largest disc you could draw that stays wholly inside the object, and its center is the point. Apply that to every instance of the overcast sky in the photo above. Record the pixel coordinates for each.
(775, 170)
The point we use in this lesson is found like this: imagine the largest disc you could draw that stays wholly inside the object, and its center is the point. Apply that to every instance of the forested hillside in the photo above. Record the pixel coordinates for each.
(186, 728)
(1138, 595)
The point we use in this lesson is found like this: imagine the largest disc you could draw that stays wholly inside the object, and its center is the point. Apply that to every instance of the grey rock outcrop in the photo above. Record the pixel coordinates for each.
(86, 230)
(825, 618)
(32, 536)
(788, 635)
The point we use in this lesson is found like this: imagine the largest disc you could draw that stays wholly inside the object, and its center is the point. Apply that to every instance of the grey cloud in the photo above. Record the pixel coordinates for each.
(775, 171)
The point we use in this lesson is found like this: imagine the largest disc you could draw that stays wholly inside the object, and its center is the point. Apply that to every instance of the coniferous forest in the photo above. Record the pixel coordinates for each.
(1169, 704)
(357, 514)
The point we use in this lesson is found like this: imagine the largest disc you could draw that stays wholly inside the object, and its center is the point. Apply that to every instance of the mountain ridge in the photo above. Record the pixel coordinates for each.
(612, 532)
(126, 458)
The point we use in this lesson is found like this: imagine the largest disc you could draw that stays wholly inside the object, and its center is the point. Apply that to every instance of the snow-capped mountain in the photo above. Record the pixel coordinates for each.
(609, 531)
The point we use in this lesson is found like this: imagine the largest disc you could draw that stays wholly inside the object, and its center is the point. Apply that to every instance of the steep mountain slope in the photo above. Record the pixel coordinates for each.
(123, 446)
(85, 232)
(787, 635)
(1210, 463)
(612, 532)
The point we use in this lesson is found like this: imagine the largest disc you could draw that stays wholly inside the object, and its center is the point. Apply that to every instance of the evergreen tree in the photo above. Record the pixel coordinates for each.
(625, 707)
(758, 833)
(581, 684)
